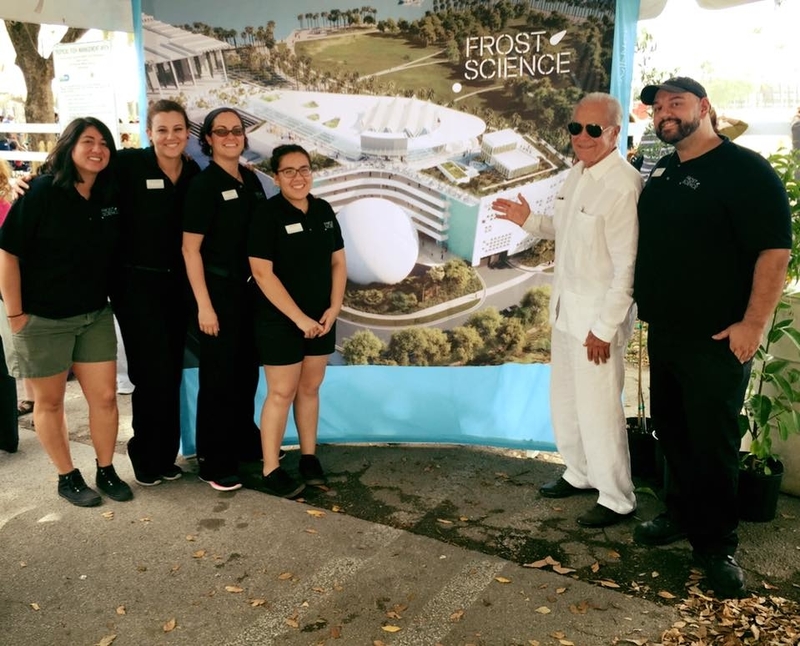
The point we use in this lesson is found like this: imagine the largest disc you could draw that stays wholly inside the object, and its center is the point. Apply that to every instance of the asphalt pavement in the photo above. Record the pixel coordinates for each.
(408, 545)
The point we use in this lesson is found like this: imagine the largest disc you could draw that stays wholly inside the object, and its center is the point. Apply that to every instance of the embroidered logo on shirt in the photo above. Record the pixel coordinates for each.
(108, 211)
(691, 182)
(328, 224)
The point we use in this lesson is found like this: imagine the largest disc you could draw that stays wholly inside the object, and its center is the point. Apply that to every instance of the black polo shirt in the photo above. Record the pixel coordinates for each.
(220, 208)
(702, 225)
(152, 210)
(66, 247)
(300, 246)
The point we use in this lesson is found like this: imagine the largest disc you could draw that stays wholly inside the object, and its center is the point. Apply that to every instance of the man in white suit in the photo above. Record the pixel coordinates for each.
(591, 309)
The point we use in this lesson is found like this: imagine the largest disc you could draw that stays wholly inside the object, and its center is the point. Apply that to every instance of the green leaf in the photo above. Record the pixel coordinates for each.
(784, 386)
(761, 406)
(776, 365)
(794, 335)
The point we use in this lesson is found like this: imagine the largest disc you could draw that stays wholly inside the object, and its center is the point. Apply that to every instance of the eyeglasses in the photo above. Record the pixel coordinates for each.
(303, 171)
(236, 131)
(592, 129)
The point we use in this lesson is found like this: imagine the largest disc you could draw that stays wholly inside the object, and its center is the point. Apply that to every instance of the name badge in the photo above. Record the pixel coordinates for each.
(297, 227)
(230, 195)
(155, 183)
(658, 172)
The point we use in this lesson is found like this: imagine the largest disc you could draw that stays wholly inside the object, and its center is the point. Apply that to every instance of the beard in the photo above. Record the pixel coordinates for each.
(684, 129)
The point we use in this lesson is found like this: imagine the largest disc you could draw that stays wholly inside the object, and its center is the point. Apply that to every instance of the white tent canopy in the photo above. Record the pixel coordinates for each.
(652, 8)
(116, 15)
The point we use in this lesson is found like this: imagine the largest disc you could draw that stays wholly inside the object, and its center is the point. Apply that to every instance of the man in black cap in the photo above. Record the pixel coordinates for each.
(714, 239)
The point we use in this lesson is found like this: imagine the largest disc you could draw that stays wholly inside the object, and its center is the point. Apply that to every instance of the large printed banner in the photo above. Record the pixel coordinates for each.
(418, 114)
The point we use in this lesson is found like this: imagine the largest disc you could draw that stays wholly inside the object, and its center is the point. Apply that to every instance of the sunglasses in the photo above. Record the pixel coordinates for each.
(303, 171)
(592, 129)
(236, 131)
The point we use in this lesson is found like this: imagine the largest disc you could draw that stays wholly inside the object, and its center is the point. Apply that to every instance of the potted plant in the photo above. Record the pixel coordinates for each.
(642, 446)
(770, 410)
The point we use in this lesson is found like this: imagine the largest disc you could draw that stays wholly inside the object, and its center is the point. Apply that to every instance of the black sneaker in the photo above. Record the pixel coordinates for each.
(73, 487)
(146, 479)
(281, 484)
(110, 484)
(172, 473)
(311, 470)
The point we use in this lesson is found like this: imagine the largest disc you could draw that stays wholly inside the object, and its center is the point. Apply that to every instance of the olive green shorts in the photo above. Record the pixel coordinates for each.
(47, 347)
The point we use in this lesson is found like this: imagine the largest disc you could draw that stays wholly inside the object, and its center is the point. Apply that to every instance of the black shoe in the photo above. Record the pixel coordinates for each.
(311, 470)
(110, 484)
(281, 454)
(723, 575)
(662, 530)
(281, 484)
(561, 489)
(172, 473)
(73, 487)
(600, 516)
(145, 479)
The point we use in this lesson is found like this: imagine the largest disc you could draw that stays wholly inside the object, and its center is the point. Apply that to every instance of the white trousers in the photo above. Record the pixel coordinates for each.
(589, 421)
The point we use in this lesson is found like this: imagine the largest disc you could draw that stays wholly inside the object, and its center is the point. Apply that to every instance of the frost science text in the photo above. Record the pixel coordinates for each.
(510, 56)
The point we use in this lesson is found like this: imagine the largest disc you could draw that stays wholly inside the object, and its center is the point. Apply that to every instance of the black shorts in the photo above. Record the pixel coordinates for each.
(281, 343)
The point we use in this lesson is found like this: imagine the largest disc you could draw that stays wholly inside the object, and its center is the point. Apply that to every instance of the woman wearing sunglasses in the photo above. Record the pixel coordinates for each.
(297, 258)
(217, 214)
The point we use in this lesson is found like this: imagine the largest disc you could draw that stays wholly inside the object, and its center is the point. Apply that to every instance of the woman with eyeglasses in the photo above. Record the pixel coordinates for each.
(297, 259)
(217, 213)
(58, 247)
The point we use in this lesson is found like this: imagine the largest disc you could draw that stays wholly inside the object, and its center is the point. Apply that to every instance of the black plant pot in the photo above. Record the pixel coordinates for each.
(646, 459)
(758, 493)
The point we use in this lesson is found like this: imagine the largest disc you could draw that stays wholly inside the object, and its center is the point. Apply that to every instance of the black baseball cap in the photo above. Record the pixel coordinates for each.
(677, 84)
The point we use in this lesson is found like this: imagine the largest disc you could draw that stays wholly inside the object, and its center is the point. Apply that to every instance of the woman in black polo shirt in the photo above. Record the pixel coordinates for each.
(297, 259)
(217, 214)
(57, 248)
(149, 298)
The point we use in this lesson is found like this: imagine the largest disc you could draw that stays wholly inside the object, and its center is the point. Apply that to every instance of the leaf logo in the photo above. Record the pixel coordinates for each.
(556, 38)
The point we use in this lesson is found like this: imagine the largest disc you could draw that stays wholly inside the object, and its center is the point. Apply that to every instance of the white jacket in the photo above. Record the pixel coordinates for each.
(595, 227)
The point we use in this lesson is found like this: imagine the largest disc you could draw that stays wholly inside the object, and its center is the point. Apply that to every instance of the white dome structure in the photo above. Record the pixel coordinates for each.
(380, 241)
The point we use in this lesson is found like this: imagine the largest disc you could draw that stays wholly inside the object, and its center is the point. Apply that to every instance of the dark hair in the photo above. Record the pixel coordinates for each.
(208, 126)
(59, 162)
(281, 151)
(165, 105)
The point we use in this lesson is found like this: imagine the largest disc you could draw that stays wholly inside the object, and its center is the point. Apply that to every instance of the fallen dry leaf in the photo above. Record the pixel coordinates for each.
(121, 610)
(769, 586)
(145, 519)
(502, 579)
(562, 570)
(457, 615)
(463, 519)
(233, 588)
(558, 635)
(393, 615)
(595, 567)
(336, 509)
(189, 537)
(613, 554)
(108, 514)
(336, 632)
(311, 531)
(608, 584)
(566, 642)
(169, 626)
(655, 574)
(560, 590)
(284, 576)
(543, 610)
(534, 642)
(107, 640)
(666, 595)
(199, 554)
(35, 606)
(377, 642)
(23, 564)
(316, 513)
(318, 589)
(444, 521)
(291, 621)
(255, 603)
(391, 629)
